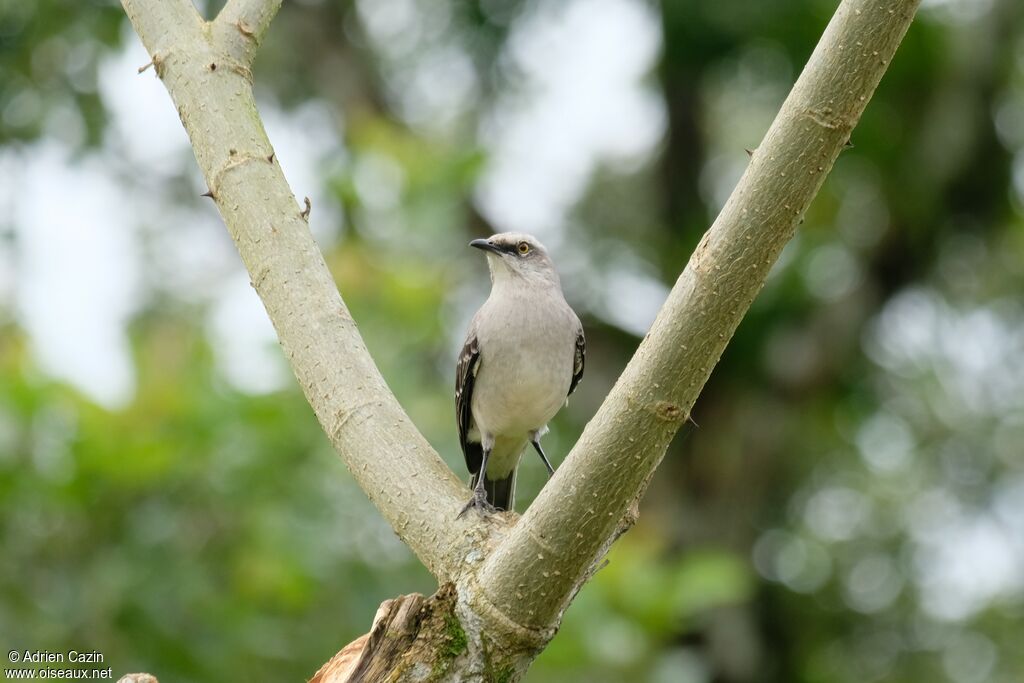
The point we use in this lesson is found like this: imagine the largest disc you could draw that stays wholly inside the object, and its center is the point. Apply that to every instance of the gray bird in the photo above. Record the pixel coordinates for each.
(522, 358)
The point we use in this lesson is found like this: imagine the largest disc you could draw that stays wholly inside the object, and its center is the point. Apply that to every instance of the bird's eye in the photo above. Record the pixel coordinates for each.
(523, 248)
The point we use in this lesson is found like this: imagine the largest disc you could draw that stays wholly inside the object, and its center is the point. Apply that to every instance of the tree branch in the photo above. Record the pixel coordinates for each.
(241, 24)
(511, 581)
(532, 575)
(205, 67)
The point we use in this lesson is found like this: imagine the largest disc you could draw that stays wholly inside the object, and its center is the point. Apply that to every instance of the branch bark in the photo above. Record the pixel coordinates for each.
(206, 67)
(536, 570)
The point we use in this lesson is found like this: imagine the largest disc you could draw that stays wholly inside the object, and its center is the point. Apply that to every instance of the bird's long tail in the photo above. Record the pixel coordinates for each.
(501, 493)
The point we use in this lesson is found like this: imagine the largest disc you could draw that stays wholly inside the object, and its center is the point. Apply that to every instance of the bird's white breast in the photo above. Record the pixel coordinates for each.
(526, 364)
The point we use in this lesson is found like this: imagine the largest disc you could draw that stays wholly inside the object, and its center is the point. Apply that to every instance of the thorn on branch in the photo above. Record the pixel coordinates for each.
(157, 62)
(209, 193)
(750, 152)
(270, 159)
(213, 66)
(309, 207)
(848, 144)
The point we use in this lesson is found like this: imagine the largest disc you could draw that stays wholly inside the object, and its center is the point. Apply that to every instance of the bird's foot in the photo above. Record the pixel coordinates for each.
(478, 502)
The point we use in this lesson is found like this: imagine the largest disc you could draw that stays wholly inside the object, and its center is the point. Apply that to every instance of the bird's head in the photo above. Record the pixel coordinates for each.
(514, 256)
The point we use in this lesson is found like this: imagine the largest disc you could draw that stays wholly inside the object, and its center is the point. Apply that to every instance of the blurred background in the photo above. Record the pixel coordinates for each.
(851, 507)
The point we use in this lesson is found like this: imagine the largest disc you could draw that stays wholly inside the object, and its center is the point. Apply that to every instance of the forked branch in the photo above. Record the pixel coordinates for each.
(513, 579)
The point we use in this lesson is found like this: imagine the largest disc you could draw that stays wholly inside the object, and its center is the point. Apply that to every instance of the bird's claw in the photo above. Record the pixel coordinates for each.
(479, 502)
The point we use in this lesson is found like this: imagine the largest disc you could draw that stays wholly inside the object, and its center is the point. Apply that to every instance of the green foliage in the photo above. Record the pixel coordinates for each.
(188, 532)
(49, 51)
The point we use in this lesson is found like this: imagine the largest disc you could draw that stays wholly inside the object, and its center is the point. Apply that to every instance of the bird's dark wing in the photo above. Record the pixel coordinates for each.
(578, 360)
(465, 375)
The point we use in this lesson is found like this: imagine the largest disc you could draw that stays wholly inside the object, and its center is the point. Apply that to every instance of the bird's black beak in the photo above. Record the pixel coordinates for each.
(486, 245)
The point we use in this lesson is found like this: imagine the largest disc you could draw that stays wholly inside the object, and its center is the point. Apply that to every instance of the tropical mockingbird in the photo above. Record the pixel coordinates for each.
(522, 358)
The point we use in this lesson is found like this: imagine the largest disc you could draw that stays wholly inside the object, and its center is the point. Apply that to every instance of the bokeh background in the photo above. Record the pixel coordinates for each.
(851, 506)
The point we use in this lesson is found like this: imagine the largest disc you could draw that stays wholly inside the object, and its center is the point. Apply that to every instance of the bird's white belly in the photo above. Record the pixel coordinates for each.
(525, 408)
(519, 389)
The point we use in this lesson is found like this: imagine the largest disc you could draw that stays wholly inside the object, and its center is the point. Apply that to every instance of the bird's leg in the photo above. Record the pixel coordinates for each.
(479, 499)
(535, 440)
